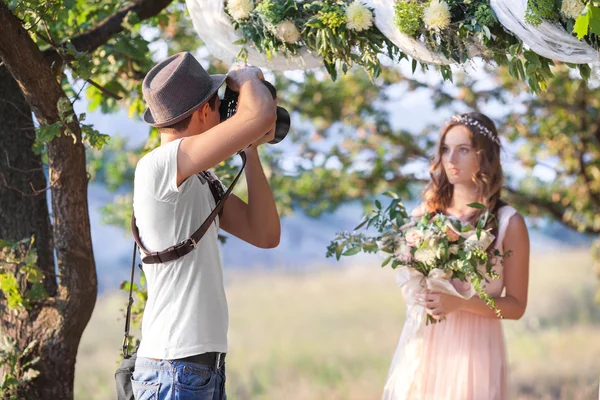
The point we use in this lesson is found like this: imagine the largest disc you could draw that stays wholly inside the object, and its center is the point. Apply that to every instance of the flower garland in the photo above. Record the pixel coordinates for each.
(454, 27)
(341, 32)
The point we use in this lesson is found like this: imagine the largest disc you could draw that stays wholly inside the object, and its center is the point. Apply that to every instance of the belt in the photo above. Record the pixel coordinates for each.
(213, 359)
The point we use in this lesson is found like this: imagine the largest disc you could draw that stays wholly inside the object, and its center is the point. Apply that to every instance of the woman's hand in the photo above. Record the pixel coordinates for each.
(438, 305)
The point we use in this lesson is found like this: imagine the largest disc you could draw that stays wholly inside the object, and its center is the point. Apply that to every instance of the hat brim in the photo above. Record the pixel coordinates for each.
(217, 82)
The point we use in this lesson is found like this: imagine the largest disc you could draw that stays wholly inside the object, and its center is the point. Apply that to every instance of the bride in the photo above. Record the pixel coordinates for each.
(463, 356)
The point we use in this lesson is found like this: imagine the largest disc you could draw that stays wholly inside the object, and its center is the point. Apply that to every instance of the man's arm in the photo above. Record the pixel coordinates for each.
(257, 222)
(255, 115)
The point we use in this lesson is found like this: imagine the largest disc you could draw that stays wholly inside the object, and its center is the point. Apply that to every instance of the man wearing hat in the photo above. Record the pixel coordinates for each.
(184, 329)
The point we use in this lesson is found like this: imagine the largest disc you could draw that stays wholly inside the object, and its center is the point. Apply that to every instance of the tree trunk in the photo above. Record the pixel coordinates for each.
(23, 198)
(24, 213)
(57, 323)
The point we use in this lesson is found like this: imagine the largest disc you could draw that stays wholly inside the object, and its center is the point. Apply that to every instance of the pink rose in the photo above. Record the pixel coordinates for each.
(451, 234)
(404, 254)
(414, 237)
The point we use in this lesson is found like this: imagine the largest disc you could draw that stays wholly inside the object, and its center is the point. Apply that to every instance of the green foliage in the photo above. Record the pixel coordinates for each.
(535, 70)
(140, 296)
(484, 15)
(321, 28)
(16, 365)
(588, 23)
(21, 281)
(275, 11)
(582, 25)
(539, 10)
(409, 16)
(332, 16)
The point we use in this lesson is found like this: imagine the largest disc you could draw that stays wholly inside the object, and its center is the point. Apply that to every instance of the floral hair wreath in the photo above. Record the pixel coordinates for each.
(481, 129)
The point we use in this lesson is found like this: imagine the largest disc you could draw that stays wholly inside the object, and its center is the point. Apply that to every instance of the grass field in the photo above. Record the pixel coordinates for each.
(330, 333)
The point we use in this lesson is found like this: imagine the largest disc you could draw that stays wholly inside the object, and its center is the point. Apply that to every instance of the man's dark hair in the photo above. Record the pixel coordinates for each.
(182, 125)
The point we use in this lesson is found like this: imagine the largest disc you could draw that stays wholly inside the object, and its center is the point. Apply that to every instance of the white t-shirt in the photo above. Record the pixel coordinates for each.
(186, 312)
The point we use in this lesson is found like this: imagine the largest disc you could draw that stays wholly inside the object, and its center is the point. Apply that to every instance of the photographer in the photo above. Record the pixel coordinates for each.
(184, 329)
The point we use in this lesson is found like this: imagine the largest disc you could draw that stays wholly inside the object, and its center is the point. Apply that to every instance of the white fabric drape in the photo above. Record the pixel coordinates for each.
(216, 30)
(384, 20)
(547, 39)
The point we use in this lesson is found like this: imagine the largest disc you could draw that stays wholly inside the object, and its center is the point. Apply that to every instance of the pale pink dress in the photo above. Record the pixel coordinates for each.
(464, 356)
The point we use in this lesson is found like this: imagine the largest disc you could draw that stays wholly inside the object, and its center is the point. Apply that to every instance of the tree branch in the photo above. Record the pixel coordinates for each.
(100, 34)
(582, 106)
(554, 209)
(51, 42)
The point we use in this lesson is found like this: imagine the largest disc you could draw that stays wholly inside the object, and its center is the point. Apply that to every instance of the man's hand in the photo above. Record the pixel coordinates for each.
(268, 136)
(265, 139)
(240, 74)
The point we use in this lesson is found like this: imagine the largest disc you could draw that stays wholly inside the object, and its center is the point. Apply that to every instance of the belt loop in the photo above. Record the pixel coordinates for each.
(217, 364)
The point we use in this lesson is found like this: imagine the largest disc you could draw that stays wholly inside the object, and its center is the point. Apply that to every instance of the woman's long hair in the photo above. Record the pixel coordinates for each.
(437, 195)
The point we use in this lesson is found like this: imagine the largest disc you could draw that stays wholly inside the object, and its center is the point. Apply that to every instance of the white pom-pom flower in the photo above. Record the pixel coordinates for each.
(358, 17)
(437, 15)
(287, 32)
(240, 9)
(572, 8)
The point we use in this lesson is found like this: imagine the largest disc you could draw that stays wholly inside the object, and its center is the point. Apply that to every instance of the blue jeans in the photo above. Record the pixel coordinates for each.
(177, 380)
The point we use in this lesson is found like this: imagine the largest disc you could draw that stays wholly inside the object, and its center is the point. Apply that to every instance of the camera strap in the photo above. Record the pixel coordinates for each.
(186, 246)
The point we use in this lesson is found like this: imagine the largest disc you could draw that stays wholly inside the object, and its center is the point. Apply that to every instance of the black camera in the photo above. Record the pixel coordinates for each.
(229, 105)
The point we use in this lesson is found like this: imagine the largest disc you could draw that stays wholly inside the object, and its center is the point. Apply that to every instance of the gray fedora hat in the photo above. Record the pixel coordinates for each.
(175, 88)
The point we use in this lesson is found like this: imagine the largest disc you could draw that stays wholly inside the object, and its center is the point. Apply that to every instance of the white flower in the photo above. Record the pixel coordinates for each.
(403, 253)
(414, 237)
(426, 256)
(240, 9)
(287, 32)
(484, 241)
(358, 17)
(453, 249)
(572, 8)
(437, 15)
(438, 273)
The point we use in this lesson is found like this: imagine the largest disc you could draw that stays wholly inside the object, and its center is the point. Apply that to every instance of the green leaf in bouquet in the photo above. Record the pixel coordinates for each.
(369, 247)
(352, 251)
(479, 206)
(479, 229)
(364, 221)
(394, 206)
(485, 217)
(378, 204)
(465, 228)
(335, 248)
(392, 195)
(400, 220)
(468, 255)
(386, 261)
(372, 220)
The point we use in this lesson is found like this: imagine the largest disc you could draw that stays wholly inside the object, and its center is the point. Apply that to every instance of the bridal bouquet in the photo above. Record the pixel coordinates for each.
(428, 252)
